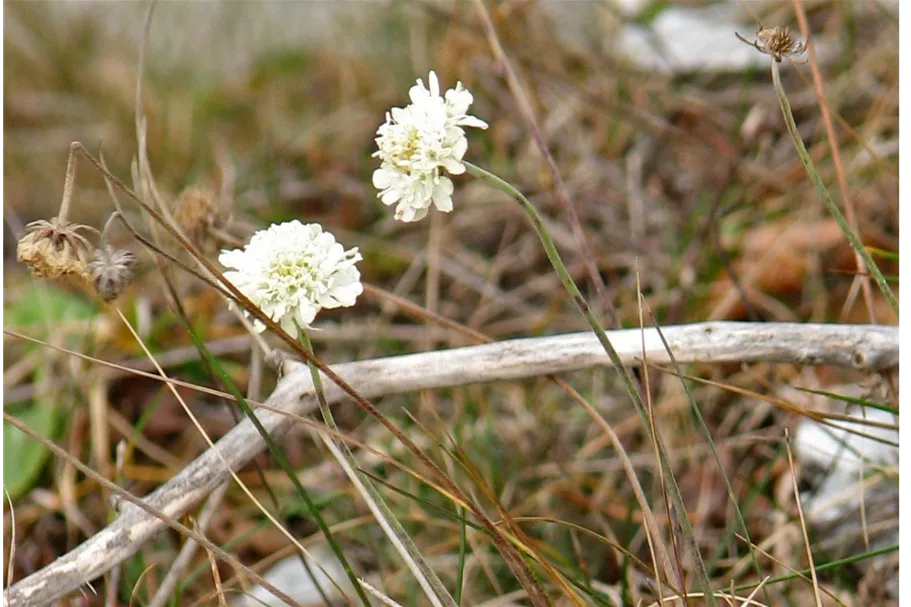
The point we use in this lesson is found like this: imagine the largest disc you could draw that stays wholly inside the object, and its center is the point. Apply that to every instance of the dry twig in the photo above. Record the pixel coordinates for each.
(864, 347)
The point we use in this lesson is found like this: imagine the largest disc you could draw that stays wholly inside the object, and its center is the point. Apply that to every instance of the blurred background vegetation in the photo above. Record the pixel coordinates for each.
(668, 135)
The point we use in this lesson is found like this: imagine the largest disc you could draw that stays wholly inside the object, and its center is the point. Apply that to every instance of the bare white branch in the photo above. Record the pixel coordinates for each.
(863, 347)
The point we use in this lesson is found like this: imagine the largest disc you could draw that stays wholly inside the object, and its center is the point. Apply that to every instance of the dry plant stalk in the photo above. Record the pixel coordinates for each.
(55, 248)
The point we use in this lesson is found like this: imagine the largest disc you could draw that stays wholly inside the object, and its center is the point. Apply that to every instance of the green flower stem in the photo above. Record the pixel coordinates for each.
(551, 250)
(433, 587)
(824, 193)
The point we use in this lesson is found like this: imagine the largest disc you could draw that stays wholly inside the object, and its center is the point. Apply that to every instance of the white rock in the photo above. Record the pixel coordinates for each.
(845, 455)
(289, 576)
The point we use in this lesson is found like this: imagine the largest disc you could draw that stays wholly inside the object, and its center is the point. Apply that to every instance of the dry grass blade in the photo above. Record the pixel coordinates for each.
(675, 574)
(222, 602)
(797, 573)
(528, 114)
(11, 558)
(188, 550)
(803, 522)
(137, 586)
(824, 111)
(786, 406)
(379, 595)
(749, 598)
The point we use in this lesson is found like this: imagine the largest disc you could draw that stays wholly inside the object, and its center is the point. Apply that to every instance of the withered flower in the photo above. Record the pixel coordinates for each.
(112, 271)
(776, 42)
(197, 212)
(55, 249)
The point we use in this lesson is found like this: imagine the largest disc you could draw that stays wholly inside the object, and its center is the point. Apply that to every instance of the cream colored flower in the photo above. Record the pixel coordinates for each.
(291, 271)
(418, 144)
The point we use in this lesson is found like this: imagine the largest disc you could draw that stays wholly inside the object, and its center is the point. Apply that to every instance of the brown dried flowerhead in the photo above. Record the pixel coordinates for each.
(776, 42)
(55, 249)
(197, 212)
(112, 271)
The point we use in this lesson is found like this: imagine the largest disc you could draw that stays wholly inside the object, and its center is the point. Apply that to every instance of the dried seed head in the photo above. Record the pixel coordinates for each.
(776, 42)
(55, 249)
(779, 43)
(196, 212)
(112, 271)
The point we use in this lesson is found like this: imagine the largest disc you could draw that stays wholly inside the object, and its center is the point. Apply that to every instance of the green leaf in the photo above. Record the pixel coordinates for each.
(42, 303)
(37, 309)
(24, 459)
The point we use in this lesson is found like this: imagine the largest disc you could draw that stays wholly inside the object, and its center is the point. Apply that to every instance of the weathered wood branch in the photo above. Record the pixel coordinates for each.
(863, 347)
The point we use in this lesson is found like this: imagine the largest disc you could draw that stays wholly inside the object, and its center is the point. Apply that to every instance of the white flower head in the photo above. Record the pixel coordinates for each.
(417, 144)
(291, 271)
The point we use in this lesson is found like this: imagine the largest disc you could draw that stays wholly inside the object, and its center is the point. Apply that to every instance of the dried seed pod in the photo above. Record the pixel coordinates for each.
(779, 43)
(112, 271)
(197, 211)
(776, 42)
(55, 249)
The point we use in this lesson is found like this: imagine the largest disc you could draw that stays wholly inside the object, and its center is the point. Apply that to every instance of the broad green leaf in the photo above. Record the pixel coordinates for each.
(24, 458)
(39, 307)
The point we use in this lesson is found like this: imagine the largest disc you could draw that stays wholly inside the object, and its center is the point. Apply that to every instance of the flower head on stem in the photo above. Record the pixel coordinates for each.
(56, 249)
(291, 271)
(418, 144)
(111, 269)
(777, 42)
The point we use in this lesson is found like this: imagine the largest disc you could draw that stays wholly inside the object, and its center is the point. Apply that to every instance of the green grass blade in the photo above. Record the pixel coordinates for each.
(854, 401)
(832, 565)
(463, 550)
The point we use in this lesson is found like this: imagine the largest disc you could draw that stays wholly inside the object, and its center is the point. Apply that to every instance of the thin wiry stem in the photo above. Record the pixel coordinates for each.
(554, 256)
(831, 206)
(803, 522)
